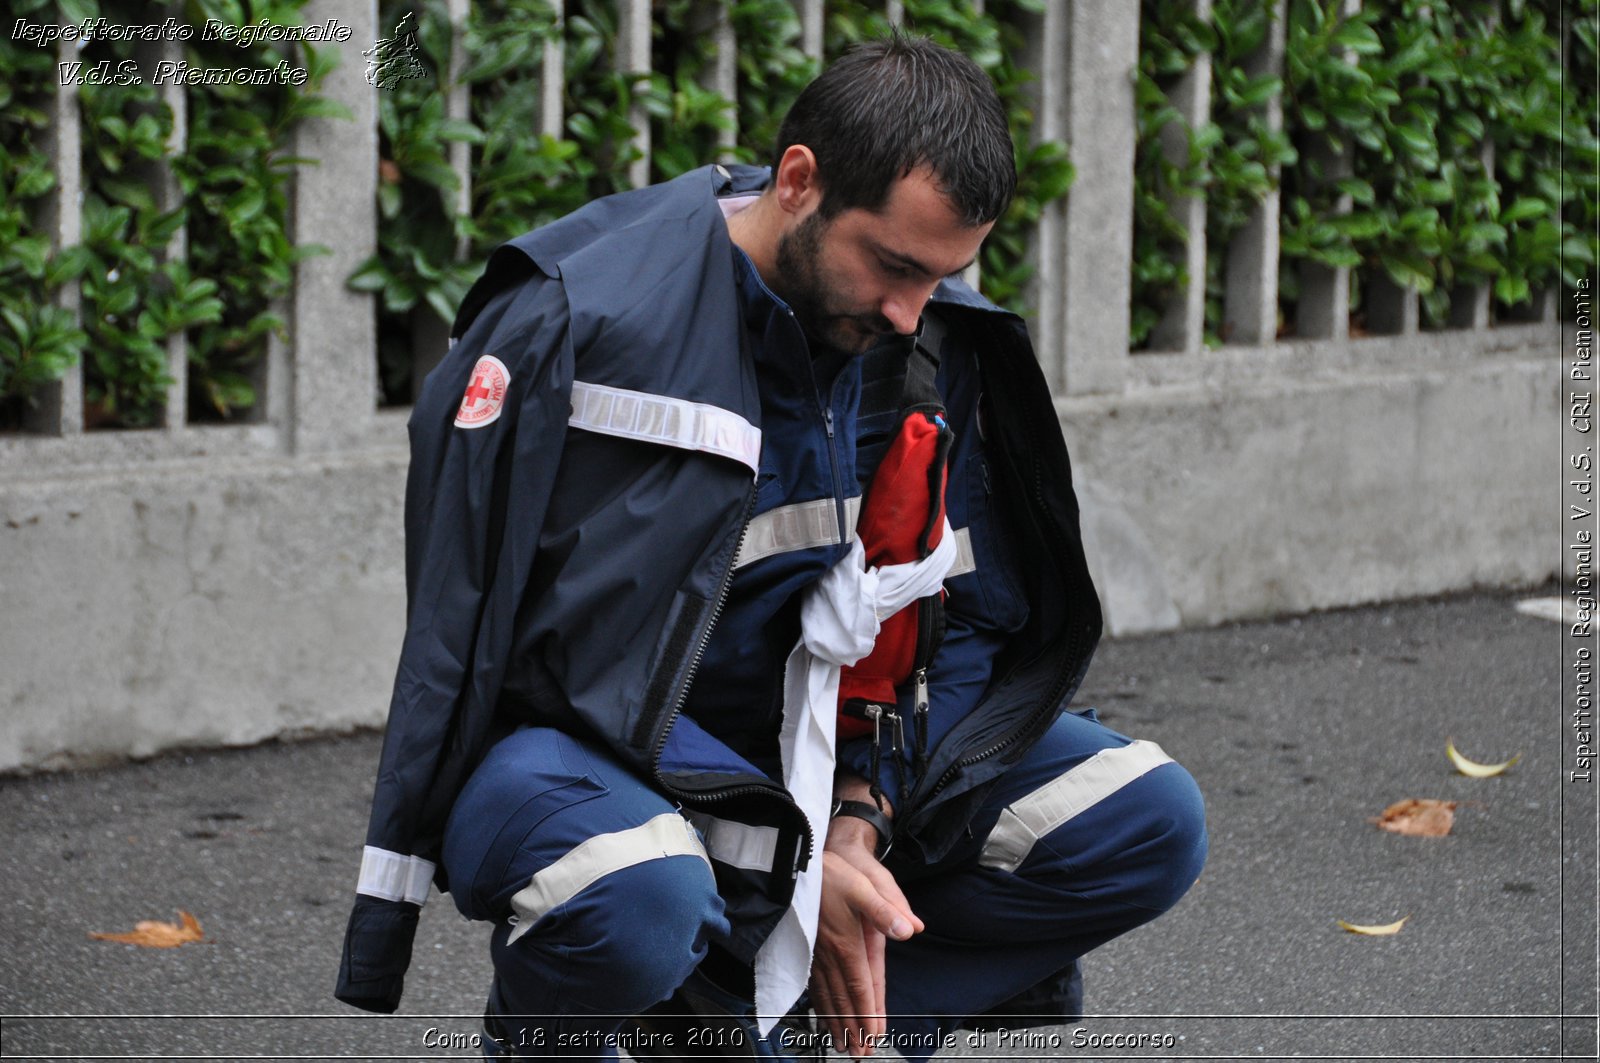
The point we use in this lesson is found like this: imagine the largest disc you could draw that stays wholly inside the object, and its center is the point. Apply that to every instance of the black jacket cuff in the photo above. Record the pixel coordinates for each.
(377, 951)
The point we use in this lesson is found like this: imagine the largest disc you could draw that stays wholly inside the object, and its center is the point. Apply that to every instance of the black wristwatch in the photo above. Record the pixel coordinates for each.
(873, 815)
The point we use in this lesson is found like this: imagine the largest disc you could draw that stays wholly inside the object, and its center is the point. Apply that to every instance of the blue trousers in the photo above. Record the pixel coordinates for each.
(1087, 837)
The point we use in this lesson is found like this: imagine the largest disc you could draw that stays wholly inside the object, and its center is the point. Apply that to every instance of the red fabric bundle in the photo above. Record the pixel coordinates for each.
(902, 519)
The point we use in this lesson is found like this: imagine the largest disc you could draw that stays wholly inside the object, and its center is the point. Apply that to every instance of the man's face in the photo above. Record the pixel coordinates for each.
(860, 276)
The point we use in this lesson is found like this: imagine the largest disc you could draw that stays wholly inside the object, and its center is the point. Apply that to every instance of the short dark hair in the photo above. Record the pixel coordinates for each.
(888, 106)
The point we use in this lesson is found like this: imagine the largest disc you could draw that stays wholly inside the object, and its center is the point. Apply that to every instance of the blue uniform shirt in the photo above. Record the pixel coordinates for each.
(808, 494)
(804, 519)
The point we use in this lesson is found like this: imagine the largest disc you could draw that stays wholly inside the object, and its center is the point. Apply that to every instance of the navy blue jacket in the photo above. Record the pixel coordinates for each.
(515, 616)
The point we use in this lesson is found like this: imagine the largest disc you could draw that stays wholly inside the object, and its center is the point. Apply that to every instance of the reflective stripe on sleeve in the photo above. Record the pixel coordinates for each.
(737, 844)
(668, 834)
(393, 877)
(665, 420)
(798, 526)
(1027, 820)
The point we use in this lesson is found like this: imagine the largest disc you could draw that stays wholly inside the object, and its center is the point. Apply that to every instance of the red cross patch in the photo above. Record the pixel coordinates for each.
(486, 393)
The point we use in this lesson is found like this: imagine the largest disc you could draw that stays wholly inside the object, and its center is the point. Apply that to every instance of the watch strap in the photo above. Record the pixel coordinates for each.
(862, 810)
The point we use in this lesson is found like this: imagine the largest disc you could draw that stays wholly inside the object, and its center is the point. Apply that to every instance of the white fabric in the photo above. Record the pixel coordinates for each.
(1032, 817)
(665, 420)
(839, 621)
(668, 834)
(394, 876)
(732, 205)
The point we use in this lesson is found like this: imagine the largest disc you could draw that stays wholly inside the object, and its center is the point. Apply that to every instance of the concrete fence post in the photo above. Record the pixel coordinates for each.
(552, 79)
(1102, 54)
(335, 205)
(812, 23)
(713, 19)
(1183, 324)
(1046, 56)
(164, 184)
(1324, 308)
(1470, 303)
(1390, 309)
(633, 60)
(1250, 302)
(430, 334)
(60, 408)
(458, 107)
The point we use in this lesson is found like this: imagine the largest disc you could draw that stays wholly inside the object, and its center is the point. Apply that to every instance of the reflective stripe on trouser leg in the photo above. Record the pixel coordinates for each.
(605, 887)
(604, 854)
(1072, 793)
(992, 934)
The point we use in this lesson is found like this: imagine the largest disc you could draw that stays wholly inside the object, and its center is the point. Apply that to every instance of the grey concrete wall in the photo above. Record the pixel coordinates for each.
(1213, 499)
(214, 602)
(196, 604)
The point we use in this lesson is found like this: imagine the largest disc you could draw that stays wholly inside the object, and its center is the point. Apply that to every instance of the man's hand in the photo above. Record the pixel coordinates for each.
(862, 906)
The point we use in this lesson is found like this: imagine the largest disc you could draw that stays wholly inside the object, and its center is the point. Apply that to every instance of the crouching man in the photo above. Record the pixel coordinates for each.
(745, 603)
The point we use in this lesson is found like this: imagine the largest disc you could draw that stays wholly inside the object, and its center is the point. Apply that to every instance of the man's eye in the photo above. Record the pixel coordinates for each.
(893, 269)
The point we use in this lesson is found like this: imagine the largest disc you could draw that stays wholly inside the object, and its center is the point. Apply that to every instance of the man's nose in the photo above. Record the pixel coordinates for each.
(903, 308)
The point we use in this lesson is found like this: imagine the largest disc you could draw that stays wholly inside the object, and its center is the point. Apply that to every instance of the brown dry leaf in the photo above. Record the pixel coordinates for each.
(1387, 930)
(1420, 816)
(152, 933)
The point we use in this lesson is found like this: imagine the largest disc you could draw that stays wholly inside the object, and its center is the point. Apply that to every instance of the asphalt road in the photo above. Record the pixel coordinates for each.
(1298, 731)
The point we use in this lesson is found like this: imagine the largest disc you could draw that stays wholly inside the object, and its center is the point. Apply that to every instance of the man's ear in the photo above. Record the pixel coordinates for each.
(796, 182)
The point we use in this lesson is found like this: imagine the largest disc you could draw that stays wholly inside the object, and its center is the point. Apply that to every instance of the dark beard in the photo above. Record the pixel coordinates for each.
(813, 302)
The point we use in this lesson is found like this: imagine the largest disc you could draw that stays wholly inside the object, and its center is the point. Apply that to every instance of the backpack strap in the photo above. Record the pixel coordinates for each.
(902, 515)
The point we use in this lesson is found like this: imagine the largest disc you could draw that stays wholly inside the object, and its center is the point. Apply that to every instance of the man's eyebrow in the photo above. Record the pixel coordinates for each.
(903, 259)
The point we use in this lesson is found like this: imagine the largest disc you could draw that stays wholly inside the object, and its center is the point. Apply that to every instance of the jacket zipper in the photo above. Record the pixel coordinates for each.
(731, 792)
(833, 454)
(1031, 722)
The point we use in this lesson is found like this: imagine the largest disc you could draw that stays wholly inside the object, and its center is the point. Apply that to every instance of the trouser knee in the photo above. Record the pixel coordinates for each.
(602, 894)
(617, 946)
(1141, 845)
(1170, 849)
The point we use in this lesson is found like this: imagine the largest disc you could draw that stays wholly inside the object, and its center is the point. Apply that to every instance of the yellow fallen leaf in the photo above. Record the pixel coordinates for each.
(1387, 930)
(152, 933)
(1472, 767)
(1423, 817)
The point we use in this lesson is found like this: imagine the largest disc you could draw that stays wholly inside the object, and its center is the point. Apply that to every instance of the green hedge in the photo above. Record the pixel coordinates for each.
(232, 177)
(1410, 90)
(520, 180)
(39, 341)
(1407, 92)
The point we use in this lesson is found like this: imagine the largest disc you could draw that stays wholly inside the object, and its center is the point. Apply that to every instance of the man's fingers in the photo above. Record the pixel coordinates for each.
(839, 1005)
(876, 946)
(830, 1004)
(890, 890)
(856, 973)
(862, 906)
(887, 890)
(881, 912)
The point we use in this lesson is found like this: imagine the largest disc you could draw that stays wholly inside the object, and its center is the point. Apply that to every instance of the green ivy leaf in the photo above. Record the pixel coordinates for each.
(31, 253)
(1512, 290)
(135, 194)
(1359, 38)
(1524, 208)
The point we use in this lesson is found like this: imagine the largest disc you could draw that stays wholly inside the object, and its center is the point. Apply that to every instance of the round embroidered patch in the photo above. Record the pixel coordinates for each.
(486, 393)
